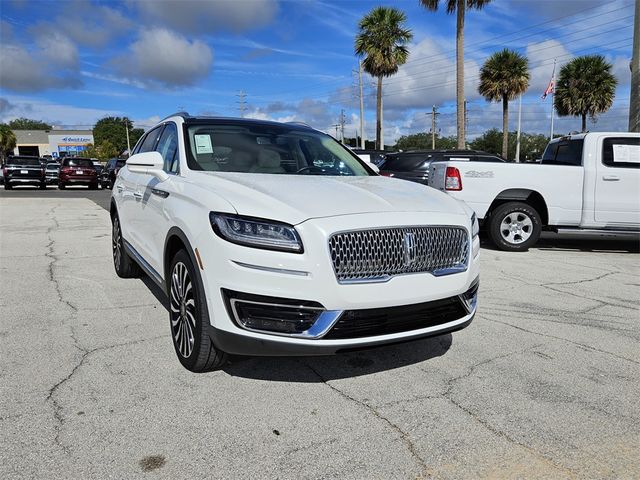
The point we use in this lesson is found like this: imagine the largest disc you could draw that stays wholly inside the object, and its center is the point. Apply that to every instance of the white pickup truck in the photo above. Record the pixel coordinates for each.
(585, 183)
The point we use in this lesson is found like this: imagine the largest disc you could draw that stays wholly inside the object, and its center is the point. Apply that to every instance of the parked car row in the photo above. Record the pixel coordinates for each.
(26, 170)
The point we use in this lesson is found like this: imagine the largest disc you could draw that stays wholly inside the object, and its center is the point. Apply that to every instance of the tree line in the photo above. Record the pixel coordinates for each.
(585, 85)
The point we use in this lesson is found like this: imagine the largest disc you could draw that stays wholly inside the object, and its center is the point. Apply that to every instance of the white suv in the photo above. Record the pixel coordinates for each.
(274, 239)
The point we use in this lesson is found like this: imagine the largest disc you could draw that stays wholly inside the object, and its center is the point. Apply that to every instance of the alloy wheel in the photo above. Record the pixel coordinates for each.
(516, 227)
(183, 309)
(116, 243)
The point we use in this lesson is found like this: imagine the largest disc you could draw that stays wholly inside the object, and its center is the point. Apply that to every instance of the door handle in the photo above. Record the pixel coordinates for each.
(137, 194)
(120, 188)
(610, 178)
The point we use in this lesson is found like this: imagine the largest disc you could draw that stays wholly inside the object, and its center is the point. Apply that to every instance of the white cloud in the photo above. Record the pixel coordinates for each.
(162, 57)
(53, 113)
(194, 16)
(22, 71)
(57, 49)
(541, 57)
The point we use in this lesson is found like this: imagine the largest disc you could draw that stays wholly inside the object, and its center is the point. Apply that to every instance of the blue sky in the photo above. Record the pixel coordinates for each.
(72, 62)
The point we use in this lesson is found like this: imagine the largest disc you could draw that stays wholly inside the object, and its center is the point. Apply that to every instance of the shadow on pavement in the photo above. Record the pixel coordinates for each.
(342, 365)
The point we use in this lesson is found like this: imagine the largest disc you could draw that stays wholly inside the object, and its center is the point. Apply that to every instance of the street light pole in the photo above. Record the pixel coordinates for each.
(126, 125)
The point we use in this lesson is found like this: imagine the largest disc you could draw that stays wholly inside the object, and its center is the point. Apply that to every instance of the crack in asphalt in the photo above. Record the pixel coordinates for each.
(451, 383)
(57, 408)
(404, 436)
(581, 345)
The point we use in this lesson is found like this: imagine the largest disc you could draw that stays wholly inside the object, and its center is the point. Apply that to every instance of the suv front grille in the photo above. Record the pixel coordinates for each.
(379, 254)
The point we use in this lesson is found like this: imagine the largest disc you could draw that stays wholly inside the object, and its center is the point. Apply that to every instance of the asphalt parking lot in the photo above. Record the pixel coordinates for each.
(543, 384)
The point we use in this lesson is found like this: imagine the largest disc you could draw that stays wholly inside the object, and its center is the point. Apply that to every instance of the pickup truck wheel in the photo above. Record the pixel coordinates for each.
(189, 318)
(125, 266)
(515, 226)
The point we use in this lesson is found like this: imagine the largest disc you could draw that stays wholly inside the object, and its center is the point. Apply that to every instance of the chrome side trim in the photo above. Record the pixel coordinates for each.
(325, 321)
(272, 269)
(155, 276)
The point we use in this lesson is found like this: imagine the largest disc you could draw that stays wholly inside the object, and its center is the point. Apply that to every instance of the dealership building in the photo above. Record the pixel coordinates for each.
(57, 143)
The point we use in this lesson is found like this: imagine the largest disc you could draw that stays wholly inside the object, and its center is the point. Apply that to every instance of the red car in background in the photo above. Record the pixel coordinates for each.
(77, 171)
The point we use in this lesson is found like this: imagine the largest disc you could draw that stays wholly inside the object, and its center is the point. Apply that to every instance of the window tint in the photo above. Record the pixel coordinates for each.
(623, 152)
(167, 146)
(150, 140)
(406, 162)
(77, 162)
(23, 161)
(563, 152)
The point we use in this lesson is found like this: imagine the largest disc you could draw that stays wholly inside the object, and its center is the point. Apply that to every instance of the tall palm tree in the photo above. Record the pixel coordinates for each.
(7, 141)
(585, 86)
(458, 6)
(382, 39)
(504, 76)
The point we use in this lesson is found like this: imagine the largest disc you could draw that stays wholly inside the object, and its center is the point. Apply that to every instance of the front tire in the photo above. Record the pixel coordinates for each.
(189, 318)
(515, 226)
(124, 265)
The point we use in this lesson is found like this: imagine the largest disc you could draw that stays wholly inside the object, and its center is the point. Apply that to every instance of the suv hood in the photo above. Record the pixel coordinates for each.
(296, 198)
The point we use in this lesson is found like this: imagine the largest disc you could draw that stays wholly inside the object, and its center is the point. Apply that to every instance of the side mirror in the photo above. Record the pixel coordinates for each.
(150, 163)
(373, 167)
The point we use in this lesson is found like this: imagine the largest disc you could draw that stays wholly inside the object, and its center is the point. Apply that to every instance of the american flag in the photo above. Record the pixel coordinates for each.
(552, 82)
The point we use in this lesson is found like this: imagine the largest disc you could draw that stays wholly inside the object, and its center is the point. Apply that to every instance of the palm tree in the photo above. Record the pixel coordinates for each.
(382, 40)
(458, 6)
(7, 141)
(504, 76)
(585, 86)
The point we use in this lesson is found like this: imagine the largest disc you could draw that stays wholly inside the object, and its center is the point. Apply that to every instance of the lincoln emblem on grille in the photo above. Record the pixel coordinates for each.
(409, 248)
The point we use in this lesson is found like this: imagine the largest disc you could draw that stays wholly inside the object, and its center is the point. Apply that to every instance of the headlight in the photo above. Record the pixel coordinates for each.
(475, 226)
(255, 232)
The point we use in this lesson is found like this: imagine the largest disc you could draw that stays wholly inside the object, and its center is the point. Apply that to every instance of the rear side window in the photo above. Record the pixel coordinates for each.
(150, 141)
(623, 152)
(405, 162)
(564, 152)
(23, 161)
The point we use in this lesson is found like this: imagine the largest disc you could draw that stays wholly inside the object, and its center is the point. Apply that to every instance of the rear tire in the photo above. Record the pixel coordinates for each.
(515, 226)
(7, 186)
(43, 186)
(124, 265)
(189, 318)
(93, 186)
(61, 186)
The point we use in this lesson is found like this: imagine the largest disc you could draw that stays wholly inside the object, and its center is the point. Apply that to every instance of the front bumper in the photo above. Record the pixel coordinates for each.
(310, 276)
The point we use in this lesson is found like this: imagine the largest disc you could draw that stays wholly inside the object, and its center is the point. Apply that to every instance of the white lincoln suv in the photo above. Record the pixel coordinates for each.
(274, 239)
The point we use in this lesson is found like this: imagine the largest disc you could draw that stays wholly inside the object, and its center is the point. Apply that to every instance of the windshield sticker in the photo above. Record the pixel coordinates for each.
(203, 144)
(626, 153)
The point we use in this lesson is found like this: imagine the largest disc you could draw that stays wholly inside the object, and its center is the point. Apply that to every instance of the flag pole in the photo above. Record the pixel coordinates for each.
(519, 124)
(553, 94)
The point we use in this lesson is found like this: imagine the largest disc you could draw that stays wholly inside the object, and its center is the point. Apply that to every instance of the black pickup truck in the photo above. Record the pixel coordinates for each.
(23, 170)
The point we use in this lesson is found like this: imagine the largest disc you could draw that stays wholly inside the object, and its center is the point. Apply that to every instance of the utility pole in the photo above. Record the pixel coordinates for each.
(634, 100)
(434, 113)
(361, 105)
(241, 103)
(518, 134)
(126, 127)
(342, 122)
(336, 126)
(466, 123)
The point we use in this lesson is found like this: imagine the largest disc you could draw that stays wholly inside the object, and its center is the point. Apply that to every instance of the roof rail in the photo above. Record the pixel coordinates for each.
(177, 114)
(300, 123)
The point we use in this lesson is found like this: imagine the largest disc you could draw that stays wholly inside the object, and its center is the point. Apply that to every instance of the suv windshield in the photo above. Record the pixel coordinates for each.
(77, 162)
(275, 149)
(23, 161)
